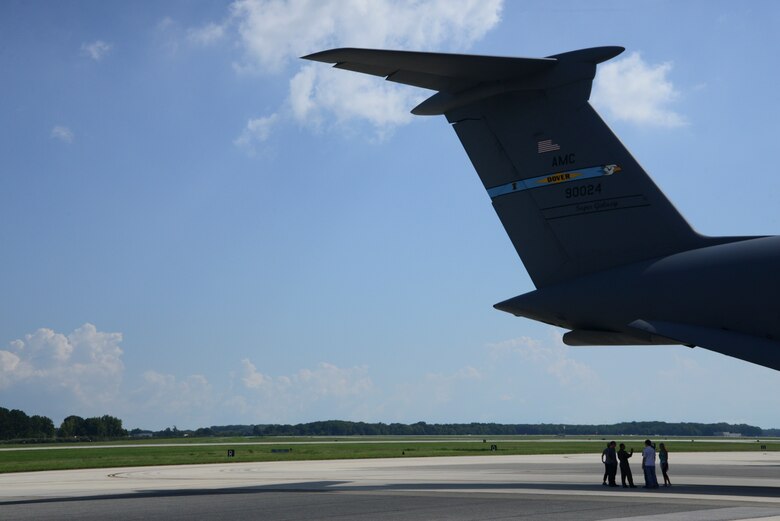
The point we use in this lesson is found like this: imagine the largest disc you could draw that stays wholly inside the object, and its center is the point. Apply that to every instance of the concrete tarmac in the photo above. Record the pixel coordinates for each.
(706, 487)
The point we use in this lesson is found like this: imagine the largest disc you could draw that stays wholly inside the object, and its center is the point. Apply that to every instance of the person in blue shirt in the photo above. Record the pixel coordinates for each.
(648, 465)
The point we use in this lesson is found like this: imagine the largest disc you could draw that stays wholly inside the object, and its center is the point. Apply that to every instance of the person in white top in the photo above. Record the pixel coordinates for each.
(648, 465)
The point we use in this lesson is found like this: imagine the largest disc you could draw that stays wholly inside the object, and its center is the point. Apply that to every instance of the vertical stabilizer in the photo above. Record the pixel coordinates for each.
(571, 197)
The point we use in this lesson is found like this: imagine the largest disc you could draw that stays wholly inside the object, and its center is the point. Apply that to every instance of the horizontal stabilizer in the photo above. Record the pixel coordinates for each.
(436, 71)
(750, 348)
(470, 76)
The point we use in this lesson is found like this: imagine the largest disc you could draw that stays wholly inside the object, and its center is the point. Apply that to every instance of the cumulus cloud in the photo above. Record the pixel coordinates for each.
(157, 400)
(83, 368)
(443, 387)
(252, 378)
(206, 35)
(553, 356)
(165, 393)
(256, 131)
(327, 380)
(96, 50)
(319, 95)
(273, 34)
(632, 90)
(436, 396)
(62, 133)
(305, 393)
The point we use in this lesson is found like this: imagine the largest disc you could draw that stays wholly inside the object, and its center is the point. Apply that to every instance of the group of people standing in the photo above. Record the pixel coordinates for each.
(612, 458)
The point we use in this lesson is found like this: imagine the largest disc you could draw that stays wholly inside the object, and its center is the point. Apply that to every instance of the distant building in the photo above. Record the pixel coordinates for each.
(726, 434)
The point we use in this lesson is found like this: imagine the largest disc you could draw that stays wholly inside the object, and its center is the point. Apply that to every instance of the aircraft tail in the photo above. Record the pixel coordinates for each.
(571, 197)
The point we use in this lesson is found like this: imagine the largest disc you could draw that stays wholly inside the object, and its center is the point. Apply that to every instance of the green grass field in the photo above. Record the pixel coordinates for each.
(214, 450)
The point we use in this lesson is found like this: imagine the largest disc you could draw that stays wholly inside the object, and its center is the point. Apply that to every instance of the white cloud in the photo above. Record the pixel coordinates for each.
(96, 50)
(252, 378)
(443, 388)
(206, 35)
(330, 380)
(9, 364)
(437, 397)
(302, 87)
(165, 24)
(167, 394)
(307, 393)
(62, 133)
(327, 380)
(319, 94)
(465, 373)
(521, 379)
(256, 131)
(83, 368)
(274, 33)
(169, 35)
(553, 356)
(163, 400)
(630, 89)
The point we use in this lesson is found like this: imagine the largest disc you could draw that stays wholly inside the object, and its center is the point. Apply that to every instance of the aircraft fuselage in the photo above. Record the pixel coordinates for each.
(687, 287)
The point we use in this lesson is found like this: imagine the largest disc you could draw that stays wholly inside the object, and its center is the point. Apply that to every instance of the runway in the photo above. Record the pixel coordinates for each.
(707, 486)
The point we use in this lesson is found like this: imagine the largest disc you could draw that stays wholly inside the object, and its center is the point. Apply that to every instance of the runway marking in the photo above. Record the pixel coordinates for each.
(718, 514)
(599, 493)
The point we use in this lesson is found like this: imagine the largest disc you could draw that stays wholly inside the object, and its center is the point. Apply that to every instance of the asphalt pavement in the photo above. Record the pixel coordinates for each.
(706, 486)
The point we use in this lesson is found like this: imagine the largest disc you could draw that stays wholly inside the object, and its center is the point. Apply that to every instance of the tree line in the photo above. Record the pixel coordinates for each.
(17, 425)
(349, 428)
(644, 428)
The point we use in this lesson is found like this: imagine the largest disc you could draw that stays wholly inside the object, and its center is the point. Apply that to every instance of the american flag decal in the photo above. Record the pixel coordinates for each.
(546, 146)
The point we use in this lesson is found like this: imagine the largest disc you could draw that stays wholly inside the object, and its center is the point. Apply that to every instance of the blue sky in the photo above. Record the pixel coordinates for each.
(199, 228)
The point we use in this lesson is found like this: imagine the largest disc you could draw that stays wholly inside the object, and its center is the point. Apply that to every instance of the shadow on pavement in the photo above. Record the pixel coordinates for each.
(746, 492)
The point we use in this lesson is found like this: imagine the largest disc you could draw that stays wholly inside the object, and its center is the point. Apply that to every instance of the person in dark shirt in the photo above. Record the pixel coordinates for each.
(625, 468)
(663, 455)
(604, 461)
(611, 462)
